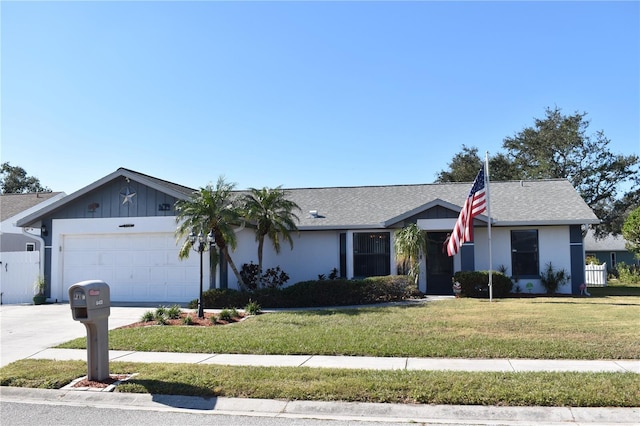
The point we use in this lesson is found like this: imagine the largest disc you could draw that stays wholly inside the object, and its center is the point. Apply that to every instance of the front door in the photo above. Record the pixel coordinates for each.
(439, 265)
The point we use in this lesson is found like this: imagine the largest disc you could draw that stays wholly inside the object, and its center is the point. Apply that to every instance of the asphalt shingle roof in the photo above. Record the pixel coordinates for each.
(549, 202)
(539, 202)
(608, 243)
(12, 204)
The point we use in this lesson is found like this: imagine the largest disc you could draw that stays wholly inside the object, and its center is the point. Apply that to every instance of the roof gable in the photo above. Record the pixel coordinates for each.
(126, 175)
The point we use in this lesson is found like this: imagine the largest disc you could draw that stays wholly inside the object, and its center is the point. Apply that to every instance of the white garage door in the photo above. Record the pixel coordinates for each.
(137, 267)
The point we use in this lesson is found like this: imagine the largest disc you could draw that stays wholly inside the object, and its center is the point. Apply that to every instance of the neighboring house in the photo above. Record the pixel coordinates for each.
(21, 248)
(121, 229)
(610, 250)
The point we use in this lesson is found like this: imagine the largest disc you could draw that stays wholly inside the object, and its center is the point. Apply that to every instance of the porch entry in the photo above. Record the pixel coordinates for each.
(439, 265)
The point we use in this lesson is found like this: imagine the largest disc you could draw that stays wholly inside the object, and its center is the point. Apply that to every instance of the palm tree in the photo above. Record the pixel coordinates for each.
(212, 210)
(409, 242)
(273, 215)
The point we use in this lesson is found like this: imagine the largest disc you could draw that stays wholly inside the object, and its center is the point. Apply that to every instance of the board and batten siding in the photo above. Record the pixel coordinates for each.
(108, 201)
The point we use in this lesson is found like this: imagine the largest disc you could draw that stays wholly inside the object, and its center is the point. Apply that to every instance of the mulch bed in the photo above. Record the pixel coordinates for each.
(101, 384)
(196, 322)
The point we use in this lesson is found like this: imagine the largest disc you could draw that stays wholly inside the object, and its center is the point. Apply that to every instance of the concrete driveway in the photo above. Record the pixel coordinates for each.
(26, 330)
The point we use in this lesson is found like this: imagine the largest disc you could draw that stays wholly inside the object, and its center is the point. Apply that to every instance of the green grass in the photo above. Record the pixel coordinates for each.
(616, 287)
(424, 387)
(543, 328)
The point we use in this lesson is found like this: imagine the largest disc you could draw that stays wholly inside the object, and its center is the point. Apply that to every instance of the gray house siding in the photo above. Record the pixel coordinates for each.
(109, 201)
(607, 257)
(17, 242)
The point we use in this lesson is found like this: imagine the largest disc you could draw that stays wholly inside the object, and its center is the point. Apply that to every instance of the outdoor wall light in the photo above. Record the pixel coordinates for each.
(43, 230)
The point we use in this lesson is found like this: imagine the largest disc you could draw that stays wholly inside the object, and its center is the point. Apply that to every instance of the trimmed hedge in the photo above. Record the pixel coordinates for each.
(476, 283)
(317, 293)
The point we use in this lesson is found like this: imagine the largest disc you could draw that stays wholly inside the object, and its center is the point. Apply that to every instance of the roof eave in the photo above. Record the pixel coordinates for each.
(546, 222)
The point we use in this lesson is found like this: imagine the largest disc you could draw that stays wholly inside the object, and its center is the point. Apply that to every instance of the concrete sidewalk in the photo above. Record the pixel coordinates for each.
(356, 362)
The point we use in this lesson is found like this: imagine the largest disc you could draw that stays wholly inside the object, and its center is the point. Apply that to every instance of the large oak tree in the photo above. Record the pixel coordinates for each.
(14, 180)
(560, 146)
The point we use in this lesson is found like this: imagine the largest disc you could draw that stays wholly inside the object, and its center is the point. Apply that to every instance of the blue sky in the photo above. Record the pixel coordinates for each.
(302, 94)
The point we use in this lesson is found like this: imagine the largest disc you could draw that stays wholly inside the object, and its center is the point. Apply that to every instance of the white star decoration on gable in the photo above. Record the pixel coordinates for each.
(127, 196)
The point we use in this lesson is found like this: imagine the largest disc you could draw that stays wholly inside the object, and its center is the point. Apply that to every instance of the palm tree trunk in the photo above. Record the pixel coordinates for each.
(260, 248)
(227, 256)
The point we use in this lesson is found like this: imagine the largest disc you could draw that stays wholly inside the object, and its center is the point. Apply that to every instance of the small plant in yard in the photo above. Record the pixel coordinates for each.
(174, 312)
(188, 320)
(148, 316)
(162, 320)
(252, 308)
(228, 314)
(213, 319)
(39, 287)
(161, 312)
(552, 280)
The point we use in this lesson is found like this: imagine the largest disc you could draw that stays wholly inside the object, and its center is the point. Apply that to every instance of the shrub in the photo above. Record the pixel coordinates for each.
(552, 280)
(252, 308)
(250, 275)
(628, 274)
(174, 312)
(476, 283)
(253, 280)
(591, 260)
(338, 292)
(161, 312)
(228, 314)
(274, 278)
(333, 274)
(147, 316)
(188, 320)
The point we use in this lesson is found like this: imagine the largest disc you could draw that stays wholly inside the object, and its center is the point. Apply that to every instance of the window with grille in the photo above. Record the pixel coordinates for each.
(371, 254)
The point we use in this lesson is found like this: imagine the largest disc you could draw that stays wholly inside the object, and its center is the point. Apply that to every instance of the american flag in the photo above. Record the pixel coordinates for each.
(475, 204)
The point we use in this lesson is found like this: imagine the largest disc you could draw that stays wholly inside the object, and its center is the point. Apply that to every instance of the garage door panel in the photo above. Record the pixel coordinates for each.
(137, 267)
(80, 244)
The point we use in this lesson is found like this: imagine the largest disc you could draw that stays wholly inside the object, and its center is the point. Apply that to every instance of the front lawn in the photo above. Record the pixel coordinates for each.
(543, 328)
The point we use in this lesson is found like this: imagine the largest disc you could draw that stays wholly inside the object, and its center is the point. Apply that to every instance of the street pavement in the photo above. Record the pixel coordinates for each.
(29, 331)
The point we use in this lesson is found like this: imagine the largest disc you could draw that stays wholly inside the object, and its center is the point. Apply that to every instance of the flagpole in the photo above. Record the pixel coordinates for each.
(486, 165)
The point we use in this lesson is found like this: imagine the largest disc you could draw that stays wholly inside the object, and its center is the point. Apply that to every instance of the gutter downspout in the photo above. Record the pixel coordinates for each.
(42, 248)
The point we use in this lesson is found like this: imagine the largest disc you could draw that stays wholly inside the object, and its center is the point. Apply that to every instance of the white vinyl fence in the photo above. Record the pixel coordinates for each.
(596, 275)
(18, 271)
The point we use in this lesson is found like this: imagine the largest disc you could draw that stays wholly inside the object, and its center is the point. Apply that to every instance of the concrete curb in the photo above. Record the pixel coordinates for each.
(352, 411)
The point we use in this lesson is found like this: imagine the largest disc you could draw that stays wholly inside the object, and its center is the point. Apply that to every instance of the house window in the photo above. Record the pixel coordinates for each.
(524, 253)
(31, 246)
(371, 254)
(613, 259)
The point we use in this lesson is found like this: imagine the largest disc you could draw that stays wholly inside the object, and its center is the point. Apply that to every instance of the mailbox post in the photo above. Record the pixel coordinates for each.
(91, 305)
